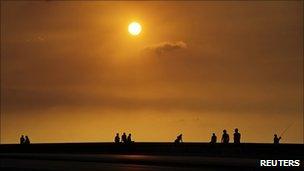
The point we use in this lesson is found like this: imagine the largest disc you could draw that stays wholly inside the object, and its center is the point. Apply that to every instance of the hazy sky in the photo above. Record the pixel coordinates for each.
(71, 72)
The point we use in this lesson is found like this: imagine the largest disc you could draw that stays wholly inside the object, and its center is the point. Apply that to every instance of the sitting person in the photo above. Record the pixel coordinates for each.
(117, 139)
(124, 138)
(27, 140)
(129, 139)
(22, 139)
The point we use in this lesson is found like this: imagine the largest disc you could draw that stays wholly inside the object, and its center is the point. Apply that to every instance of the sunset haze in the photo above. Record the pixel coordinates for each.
(72, 72)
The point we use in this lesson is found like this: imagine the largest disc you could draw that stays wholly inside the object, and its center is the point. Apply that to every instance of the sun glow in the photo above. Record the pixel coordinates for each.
(134, 28)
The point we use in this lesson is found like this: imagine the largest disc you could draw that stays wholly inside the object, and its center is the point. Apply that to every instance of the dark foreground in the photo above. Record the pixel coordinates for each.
(146, 156)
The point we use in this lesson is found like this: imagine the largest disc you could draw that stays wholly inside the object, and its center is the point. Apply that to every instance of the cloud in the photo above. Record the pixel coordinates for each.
(165, 47)
(38, 38)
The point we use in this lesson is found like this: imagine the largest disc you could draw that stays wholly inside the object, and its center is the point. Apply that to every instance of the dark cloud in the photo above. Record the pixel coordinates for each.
(164, 47)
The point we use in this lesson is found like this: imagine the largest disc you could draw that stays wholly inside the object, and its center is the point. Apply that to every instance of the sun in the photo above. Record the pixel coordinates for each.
(134, 28)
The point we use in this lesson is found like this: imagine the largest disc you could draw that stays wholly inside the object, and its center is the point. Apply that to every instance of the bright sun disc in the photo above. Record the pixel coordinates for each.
(134, 28)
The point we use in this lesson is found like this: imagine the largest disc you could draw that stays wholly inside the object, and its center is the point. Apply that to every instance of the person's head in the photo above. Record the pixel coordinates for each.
(236, 130)
(117, 134)
(26, 136)
(22, 136)
(124, 133)
(275, 135)
(129, 134)
(224, 131)
(213, 134)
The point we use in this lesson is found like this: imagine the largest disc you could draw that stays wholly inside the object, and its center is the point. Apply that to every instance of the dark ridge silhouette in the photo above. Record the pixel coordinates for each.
(248, 150)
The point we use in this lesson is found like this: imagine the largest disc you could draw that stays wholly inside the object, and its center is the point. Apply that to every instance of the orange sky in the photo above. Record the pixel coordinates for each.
(71, 72)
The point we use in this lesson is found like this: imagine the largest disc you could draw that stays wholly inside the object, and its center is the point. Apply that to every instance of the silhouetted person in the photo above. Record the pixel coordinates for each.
(213, 139)
(129, 139)
(27, 140)
(225, 137)
(124, 138)
(22, 140)
(179, 139)
(236, 136)
(276, 140)
(117, 139)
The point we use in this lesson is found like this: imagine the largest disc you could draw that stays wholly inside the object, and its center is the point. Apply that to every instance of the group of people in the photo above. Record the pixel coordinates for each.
(179, 139)
(24, 140)
(124, 139)
(225, 137)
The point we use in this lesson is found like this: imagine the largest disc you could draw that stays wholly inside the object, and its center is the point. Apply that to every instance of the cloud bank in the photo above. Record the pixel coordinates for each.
(165, 47)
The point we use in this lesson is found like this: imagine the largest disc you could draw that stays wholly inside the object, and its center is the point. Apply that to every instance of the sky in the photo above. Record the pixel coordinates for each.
(71, 72)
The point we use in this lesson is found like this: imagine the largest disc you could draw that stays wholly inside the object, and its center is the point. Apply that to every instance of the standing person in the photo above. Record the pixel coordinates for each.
(276, 140)
(129, 139)
(117, 139)
(213, 139)
(225, 137)
(236, 136)
(124, 138)
(27, 140)
(22, 139)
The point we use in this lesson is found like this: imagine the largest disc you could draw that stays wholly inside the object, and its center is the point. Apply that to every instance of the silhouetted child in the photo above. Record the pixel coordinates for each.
(27, 140)
(124, 138)
(213, 139)
(236, 136)
(129, 139)
(117, 139)
(22, 140)
(276, 140)
(225, 137)
(179, 139)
